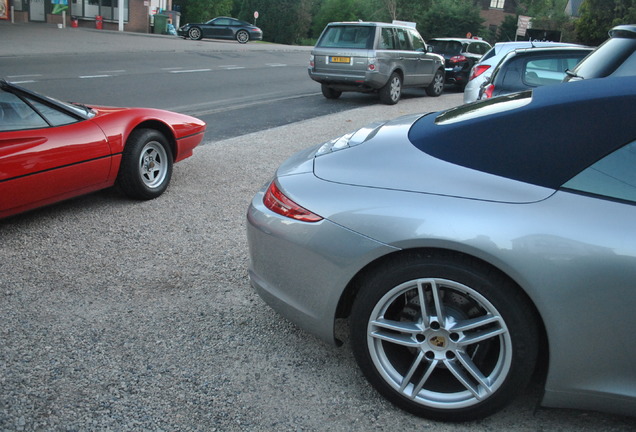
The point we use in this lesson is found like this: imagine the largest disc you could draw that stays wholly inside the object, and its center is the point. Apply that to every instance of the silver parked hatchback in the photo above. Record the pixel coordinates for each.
(374, 57)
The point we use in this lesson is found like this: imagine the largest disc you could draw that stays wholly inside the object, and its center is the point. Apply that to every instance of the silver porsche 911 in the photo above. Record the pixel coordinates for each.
(467, 245)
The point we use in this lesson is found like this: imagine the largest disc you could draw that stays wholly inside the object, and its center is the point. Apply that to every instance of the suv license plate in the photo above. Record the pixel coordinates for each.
(340, 59)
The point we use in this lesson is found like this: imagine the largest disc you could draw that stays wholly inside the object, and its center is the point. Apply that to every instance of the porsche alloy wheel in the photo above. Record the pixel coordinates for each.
(195, 33)
(392, 90)
(242, 36)
(146, 166)
(443, 340)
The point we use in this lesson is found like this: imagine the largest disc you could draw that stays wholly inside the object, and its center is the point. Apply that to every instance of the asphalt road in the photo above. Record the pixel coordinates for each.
(235, 89)
(120, 315)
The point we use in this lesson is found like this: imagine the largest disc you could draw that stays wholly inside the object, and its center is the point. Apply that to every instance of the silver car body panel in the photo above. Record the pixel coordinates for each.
(573, 254)
(564, 234)
(364, 162)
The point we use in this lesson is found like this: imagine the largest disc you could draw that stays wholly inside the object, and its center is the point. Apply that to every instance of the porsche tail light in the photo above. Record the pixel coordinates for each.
(478, 70)
(277, 202)
(458, 59)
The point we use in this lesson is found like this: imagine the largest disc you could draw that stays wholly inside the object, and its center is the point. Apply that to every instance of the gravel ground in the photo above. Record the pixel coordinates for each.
(122, 316)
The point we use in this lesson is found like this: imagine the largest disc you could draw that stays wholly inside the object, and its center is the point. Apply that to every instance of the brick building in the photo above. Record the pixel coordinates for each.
(137, 16)
(494, 12)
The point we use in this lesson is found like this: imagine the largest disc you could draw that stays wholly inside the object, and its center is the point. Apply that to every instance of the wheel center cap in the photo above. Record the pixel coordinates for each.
(438, 342)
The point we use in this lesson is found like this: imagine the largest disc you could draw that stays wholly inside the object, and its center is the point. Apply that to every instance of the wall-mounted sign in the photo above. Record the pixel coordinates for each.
(4, 9)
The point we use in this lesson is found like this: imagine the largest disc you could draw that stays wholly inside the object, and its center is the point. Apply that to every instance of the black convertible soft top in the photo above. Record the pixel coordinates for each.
(545, 136)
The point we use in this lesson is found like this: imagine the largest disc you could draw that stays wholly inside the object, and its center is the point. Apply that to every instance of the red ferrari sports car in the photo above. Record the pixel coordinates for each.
(51, 150)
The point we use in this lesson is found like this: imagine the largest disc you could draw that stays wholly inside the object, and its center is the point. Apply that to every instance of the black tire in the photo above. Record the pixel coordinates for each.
(414, 355)
(392, 91)
(242, 36)
(330, 93)
(436, 87)
(195, 33)
(146, 165)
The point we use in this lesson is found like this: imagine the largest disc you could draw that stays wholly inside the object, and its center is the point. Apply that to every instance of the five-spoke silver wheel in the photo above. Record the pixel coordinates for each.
(242, 36)
(436, 87)
(195, 33)
(427, 338)
(153, 164)
(392, 90)
(443, 337)
(146, 165)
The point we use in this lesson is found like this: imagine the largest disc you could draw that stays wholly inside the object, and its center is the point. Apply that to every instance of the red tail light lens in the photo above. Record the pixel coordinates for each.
(280, 204)
(478, 70)
(457, 59)
(488, 91)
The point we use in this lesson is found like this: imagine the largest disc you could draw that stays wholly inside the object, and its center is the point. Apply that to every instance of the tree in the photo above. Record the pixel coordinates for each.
(547, 14)
(282, 21)
(507, 30)
(450, 18)
(336, 10)
(203, 10)
(597, 17)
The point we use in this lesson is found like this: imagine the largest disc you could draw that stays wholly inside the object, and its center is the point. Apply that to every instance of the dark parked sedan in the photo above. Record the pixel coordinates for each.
(460, 56)
(461, 264)
(222, 28)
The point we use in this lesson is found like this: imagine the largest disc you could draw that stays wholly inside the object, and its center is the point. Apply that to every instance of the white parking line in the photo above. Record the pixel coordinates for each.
(190, 71)
(24, 76)
(231, 67)
(94, 76)
(275, 65)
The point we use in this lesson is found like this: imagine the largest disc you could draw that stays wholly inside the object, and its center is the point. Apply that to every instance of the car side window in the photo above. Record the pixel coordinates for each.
(387, 41)
(549, 71)
(53, 115)
(614, 176)
(16, 114)
(628, 68)
(474, 48)
(417, 42)
(221, 22)
(403, 39)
